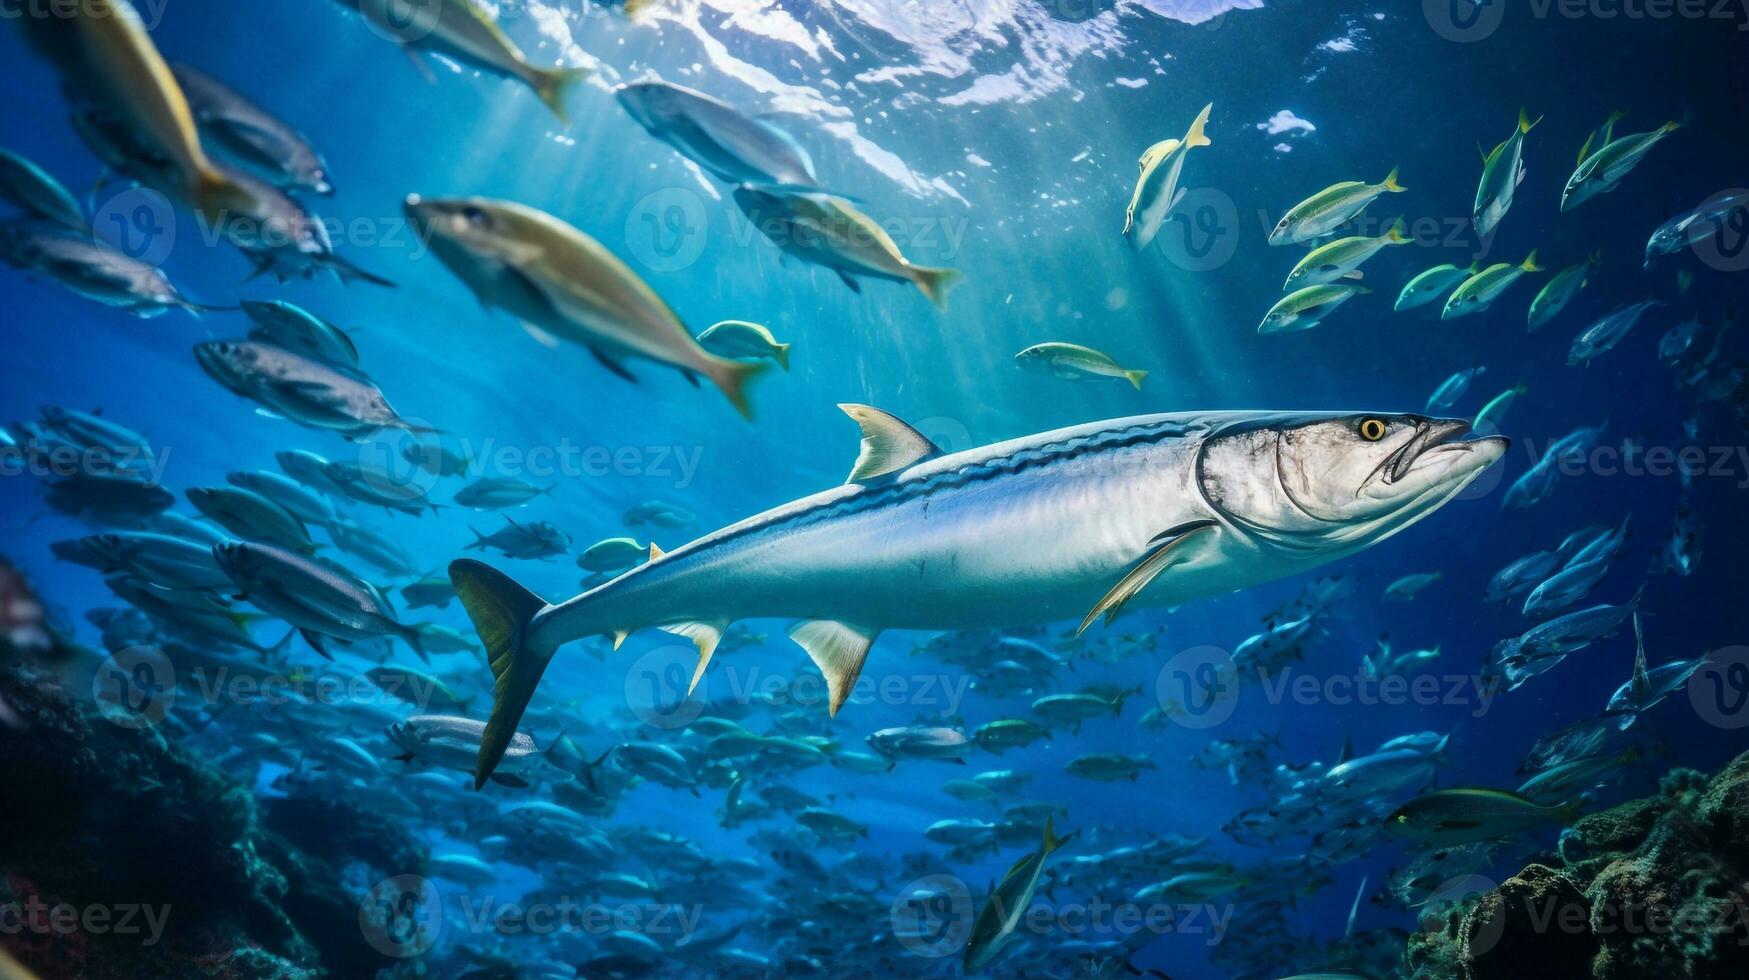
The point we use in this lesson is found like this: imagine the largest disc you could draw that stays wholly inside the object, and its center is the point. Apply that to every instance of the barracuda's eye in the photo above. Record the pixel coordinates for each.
(1372, 429)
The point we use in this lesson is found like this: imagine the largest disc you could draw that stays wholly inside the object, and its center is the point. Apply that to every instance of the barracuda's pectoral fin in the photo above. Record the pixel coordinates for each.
(839, 650)
(1162, 554)
(888, 444)
(704, 636)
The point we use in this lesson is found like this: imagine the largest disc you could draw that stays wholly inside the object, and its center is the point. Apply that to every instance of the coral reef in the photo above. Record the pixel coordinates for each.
(124, 855)
(1650, 887)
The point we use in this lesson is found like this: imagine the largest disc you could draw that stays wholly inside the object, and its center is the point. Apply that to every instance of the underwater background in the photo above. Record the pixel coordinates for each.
(999, 139)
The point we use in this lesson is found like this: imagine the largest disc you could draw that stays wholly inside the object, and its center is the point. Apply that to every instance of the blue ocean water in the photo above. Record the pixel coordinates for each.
(998, 139)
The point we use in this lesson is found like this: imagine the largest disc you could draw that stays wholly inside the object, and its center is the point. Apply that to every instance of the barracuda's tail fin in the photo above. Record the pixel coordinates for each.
(502, 611)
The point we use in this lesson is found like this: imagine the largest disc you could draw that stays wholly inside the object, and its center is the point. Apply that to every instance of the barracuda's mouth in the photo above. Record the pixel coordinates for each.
(1439, 443)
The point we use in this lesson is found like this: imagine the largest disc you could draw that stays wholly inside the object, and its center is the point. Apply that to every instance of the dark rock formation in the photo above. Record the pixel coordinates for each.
(1649, 888)
(123, 855)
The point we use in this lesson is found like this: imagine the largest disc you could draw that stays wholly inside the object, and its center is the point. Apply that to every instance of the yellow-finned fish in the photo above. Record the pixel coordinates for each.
(1321, 214)
(1481, 290)
(460, 29)
(739, 338)
(1073, 362)
(1342, 259)
(104, 52)
(826, 230)
(565, 285)
(1157, 191)
(1604, 170)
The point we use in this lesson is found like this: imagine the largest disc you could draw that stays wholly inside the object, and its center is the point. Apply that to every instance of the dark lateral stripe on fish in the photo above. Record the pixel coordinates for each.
(903, 491)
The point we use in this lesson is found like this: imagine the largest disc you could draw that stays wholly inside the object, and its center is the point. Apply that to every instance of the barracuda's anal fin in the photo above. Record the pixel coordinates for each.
(888, 444)
(1162, 552)
(704, 636)
(839, 650)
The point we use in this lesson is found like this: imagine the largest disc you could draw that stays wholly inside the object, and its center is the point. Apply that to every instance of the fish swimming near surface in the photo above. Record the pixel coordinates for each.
(1074, 362)
(103, 51)
(465, 31)
(726, 142)
(566, 285)
(1157, 191)
(1159, 509)
(828, 231)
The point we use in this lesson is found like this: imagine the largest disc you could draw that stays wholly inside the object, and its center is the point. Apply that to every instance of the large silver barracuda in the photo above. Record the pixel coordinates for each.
(1074, 523)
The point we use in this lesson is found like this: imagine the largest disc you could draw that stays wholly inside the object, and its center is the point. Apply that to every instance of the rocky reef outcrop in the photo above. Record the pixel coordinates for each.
(1654, 887)
(124, 855)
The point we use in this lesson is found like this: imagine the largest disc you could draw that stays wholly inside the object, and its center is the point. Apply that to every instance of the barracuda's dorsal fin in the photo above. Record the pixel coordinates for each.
(888, 444)
(1159, 556)
(838, 649)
